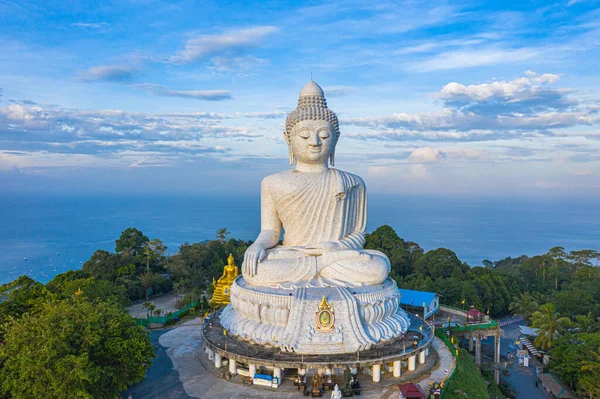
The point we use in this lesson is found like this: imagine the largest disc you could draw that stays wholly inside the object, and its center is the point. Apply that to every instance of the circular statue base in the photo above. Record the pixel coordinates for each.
(399, 358)
(315, 320)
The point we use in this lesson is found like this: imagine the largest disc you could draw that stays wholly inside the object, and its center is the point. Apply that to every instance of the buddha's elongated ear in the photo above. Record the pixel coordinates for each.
(292, 157)
(332, 158)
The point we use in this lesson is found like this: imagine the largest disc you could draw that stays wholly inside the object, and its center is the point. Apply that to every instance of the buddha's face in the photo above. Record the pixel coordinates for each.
(312, 141)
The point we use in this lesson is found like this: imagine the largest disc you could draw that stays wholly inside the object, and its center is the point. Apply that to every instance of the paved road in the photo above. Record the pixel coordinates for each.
(445, 368)
(521, 379)
(165, 302)
(161, 380)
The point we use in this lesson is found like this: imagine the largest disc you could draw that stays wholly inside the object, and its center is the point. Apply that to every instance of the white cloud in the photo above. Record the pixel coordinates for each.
(338, 91)
(514, 90)
(425, 155)
(112, 73)
(94, 25)
(18, 112)
(459, 59)
(204, 46)
(207, 95)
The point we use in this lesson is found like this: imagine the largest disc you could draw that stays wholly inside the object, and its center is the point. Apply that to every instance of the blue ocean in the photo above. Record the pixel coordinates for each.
(58, 233)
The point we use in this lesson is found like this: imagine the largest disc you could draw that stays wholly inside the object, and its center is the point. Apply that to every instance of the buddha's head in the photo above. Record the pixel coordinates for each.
(312, 130)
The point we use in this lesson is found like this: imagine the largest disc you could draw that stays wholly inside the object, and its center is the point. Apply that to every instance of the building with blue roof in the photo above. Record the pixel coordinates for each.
(420, 302)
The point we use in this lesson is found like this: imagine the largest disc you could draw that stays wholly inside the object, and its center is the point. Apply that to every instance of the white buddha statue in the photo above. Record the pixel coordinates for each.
(322, 210)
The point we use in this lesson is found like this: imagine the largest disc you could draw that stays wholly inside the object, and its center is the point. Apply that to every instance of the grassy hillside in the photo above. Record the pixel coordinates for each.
(467, 381)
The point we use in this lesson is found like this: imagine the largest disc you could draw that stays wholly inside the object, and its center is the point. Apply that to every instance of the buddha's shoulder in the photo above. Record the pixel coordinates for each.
(277, 178)
(355, 179)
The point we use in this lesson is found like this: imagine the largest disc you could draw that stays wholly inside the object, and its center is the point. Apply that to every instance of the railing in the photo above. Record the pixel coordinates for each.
(471, 327)
(164, 319)
(441, 335)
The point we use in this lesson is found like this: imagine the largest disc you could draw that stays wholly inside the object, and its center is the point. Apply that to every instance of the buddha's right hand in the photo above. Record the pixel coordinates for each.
(254, 254)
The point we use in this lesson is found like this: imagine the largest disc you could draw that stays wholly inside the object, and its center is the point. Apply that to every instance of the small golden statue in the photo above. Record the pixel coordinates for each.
(221, 293)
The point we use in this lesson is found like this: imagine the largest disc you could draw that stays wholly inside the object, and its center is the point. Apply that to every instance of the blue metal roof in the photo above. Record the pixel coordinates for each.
(416, 298)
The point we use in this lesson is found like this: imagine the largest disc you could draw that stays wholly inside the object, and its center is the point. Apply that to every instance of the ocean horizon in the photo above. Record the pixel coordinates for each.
(59, 233)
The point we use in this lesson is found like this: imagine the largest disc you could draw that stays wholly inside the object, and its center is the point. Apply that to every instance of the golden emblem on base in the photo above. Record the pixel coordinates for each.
(324, 316)
(222, 286)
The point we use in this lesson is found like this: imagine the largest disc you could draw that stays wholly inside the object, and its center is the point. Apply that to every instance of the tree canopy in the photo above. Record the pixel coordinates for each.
(73, 349)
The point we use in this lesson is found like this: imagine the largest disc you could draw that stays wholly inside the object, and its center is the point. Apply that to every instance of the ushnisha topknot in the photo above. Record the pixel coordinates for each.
(311, 106)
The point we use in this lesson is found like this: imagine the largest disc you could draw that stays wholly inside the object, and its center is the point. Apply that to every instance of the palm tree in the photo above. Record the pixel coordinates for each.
(587, 323)
(588, 384)
(524, 305)
(149, 306)
(549, 324)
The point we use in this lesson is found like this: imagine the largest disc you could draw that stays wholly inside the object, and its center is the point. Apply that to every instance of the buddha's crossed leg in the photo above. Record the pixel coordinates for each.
(283, 266)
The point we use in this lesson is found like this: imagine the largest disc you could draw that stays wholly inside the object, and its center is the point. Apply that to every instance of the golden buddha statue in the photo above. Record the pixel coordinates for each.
(221, 293)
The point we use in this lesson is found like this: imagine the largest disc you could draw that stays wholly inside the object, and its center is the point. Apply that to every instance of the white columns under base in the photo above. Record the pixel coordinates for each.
(218, 361)
(252, 370)
(412, 363)
(232, 367)
(376, 372)
(277, 373)
(422, 357)
(397, 368)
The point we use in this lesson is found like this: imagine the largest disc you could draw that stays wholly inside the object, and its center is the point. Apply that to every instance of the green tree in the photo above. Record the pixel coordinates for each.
(524, 305)
(103, 265)
(146, 279)
(91, 288)
(549, 324)
(590, 367)
(154, 250)
(557, 254)
(402, 254)
(581, 258)
(21, 296)
(149, 306)
(73, 349)
(440, 263)
(576, 361)
(131, 242)
(587, 323)
(223, 234)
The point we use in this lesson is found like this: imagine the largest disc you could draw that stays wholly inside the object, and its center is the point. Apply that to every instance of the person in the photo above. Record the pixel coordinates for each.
(322, 211)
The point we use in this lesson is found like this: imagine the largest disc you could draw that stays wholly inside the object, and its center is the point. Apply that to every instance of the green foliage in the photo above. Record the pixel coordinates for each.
(549, 324)
(402, 254)
(441, 263)
(21, 296)
(73, 349)
(132, 242)
(576, 361)
(195, 265)
(524, 305)
(66, 284)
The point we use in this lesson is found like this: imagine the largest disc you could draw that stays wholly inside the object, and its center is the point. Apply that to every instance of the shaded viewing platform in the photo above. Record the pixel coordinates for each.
(473, 325)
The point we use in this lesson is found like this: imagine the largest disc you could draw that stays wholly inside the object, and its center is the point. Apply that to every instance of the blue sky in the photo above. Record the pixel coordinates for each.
(433, 97)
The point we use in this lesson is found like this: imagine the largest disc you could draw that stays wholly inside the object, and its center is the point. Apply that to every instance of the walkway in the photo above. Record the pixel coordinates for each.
(179, 373)
(446, 365)
(164, 302)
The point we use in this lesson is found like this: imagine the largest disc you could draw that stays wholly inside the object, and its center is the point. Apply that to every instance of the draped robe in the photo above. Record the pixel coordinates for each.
(328, 207)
